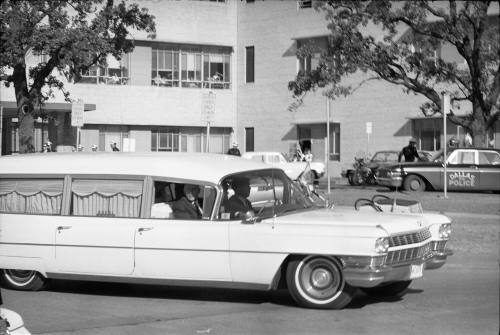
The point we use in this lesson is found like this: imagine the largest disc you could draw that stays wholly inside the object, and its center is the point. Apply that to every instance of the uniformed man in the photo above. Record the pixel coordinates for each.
(409, 152)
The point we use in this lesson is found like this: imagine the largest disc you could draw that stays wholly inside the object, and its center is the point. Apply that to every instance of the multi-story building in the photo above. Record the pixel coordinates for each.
(229, 62)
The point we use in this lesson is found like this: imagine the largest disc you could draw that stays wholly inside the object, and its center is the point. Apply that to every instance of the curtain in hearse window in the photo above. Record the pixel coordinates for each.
(31, 196)
(100, 197)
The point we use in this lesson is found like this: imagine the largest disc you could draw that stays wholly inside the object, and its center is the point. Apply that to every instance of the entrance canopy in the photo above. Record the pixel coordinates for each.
(10, 107)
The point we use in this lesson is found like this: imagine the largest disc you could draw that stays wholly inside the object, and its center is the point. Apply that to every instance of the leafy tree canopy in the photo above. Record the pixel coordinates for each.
(405, 53)
(73, 35)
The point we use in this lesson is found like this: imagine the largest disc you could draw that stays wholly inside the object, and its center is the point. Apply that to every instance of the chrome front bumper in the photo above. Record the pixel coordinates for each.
(437, 259)
(370, 276)
(391, 182)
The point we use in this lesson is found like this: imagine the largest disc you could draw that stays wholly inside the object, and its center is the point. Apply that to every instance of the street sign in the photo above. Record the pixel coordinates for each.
(369, 128)
(77, 109)
(208, 107)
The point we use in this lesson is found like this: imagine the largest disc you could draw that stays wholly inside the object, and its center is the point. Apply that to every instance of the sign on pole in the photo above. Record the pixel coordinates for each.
(369, 128)
(77, 109)
(208, 113)
(208, 107)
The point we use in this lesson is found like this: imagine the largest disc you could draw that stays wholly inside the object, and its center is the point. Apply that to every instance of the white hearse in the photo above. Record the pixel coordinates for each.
(127, 217)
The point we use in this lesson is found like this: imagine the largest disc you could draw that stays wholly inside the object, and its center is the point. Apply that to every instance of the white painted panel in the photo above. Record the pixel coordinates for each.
(183, 249)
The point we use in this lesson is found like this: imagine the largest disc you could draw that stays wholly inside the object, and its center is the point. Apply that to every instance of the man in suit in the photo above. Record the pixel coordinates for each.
(187, 207)
(238, 204)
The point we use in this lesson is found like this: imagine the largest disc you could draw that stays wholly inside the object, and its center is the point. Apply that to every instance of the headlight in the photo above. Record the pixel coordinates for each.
(395, 172)
(445, 230)
(382, 245)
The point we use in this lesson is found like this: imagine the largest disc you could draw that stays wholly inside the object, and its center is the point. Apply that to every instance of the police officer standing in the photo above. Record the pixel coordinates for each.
(410, 151)
(234, 150)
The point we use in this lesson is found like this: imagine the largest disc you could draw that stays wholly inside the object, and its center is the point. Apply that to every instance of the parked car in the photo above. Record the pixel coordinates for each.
(468, 169)
(378, 159)
(292, 169)
(89, 216)
(11, 323)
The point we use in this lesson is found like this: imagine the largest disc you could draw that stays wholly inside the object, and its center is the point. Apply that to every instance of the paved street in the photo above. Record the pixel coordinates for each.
(460, 298)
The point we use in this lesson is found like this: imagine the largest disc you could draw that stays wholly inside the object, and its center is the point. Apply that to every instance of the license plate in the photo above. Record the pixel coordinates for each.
(416, 271)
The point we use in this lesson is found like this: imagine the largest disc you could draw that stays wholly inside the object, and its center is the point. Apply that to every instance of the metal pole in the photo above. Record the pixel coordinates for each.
(208, 137)
(1, 128)
(327, 143)
(446, 108)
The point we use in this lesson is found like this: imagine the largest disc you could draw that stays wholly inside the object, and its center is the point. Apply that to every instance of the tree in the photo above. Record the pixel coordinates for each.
(72, 35)
(411, 59)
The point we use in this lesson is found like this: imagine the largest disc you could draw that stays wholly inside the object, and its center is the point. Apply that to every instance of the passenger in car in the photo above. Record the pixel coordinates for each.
(238, 204)
(161, 209)
(187, 207)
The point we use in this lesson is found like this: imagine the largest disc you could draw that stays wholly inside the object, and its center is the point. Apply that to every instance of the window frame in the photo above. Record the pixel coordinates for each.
(103, 76)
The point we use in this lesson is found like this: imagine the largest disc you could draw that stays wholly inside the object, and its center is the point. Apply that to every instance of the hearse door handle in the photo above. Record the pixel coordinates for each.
(62, 228)
(140, 230)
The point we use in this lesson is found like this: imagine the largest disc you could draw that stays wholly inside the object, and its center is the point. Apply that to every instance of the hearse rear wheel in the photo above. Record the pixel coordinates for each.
(25, 280)
(318, 282)
(395, 289)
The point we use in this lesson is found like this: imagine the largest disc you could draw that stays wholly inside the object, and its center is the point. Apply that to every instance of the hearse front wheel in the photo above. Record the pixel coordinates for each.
(25, 280)
(318, 282)
(395, 289)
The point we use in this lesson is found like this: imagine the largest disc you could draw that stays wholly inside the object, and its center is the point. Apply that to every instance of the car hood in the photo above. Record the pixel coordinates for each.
(391, 223)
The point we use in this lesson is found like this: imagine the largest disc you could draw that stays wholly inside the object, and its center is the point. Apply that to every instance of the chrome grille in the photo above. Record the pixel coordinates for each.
(438, 245)
(404, 239)
(407, 255)
(382, 173)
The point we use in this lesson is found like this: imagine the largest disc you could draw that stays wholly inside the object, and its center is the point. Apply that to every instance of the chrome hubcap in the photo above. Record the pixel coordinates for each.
(320, 278)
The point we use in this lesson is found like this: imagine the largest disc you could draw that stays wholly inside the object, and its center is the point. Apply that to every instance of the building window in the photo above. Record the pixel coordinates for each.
(216, 71)
(334, 142)
(309, 53)
(165, 140)
(250, 64)
(165, 68)
(115, 73)
(428, 134)
(191, 69)
(249, 139)
(174, 67)
(302, 4)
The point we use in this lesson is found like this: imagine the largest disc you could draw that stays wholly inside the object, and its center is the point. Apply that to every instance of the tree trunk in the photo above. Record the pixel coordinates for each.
(26, 127)
(478, 127)
(24, 110)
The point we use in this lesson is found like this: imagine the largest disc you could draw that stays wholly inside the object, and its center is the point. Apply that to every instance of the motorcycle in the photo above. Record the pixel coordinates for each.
(362, 174)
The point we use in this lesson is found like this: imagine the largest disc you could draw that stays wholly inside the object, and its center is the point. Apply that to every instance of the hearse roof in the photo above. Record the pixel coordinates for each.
(195, 166)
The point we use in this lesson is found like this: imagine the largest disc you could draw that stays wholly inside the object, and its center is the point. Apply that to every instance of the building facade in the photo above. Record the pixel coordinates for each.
(221, 68)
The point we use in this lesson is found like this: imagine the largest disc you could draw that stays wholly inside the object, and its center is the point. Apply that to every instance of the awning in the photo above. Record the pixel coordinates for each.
(305, 122)
(10, 107)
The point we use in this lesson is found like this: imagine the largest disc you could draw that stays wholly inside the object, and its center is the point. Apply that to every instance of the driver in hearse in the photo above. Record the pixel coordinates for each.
(238, 204)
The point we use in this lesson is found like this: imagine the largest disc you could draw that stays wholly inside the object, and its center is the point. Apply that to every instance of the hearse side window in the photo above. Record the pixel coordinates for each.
(170, 201)
(31, 196)
(101, 197)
